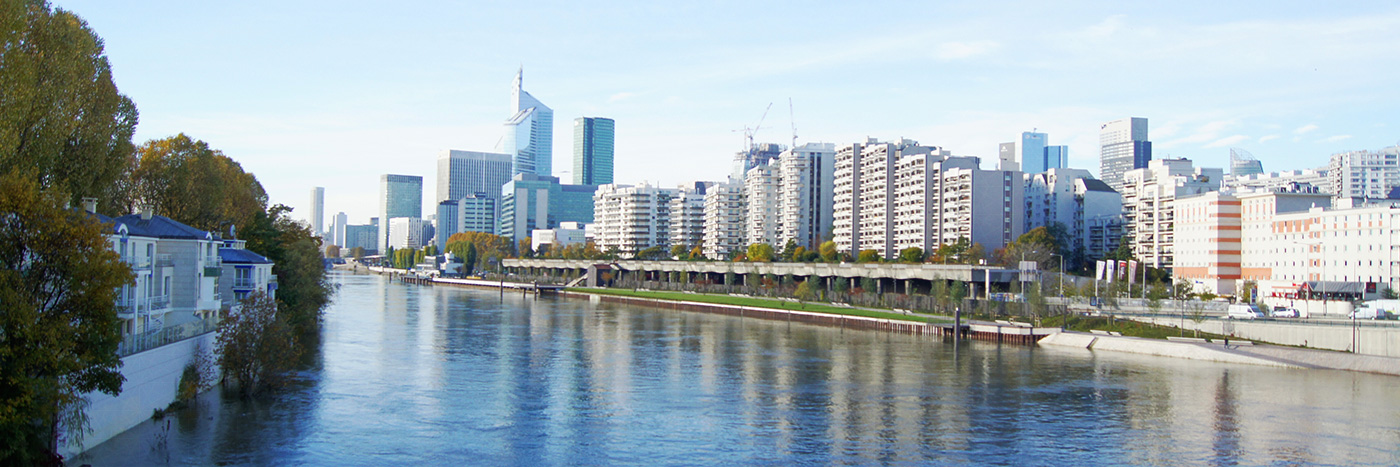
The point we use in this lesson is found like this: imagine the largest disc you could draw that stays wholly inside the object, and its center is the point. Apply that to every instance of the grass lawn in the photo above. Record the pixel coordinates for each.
(1127, 327)
(813, 307)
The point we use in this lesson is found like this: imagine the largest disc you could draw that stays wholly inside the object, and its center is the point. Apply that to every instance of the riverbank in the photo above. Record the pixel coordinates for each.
(1216, 351)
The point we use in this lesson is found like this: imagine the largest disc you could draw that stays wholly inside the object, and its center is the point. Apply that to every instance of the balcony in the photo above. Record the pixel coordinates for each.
(164, 261)
(244, 283)
(159, 303)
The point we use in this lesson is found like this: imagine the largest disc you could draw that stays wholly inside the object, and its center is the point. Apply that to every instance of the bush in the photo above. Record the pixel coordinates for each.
(256, 347)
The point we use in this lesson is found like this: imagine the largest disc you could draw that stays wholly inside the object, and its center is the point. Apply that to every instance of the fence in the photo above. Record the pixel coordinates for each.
(142, 342)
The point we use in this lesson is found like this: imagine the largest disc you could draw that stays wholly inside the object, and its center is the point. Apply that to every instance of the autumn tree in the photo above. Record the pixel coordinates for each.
(184, 179)
(59, 329)
(491, 249)
(912, 254)
(868, 256)
(828, 252)
(62, 119)
(760, 252)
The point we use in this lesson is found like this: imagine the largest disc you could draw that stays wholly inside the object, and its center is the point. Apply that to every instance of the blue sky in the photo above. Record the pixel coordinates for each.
(333, 94)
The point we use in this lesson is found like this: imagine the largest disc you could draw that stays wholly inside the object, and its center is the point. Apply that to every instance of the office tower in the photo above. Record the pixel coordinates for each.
(399, 196)
(338, 229)
(1243, 164)
(1056, 157)
(362, 236)
(1123, 146)
(593, 151)
(530, 202)
(472, 213)
(317, 212)
(406, 232)
(1033, 152)
(724, 220)
(804, 194)
(529, 132)
(463, 173)
(1006, 159)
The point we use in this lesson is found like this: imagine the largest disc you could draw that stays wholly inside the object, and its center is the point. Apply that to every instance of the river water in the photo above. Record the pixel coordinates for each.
(409, 375)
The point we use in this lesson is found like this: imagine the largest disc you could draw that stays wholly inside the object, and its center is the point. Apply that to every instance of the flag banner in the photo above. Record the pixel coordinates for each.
(1132, 271)
(1111, 272)
(1098, 270)
(1122, 269)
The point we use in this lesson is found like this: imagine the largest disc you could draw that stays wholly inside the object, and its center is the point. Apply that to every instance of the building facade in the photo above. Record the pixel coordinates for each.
(529, 135)
(318, 211)
(1364, 174)
(688, 215)
(1149, 205)
(1123, 146)
(805, 178)
(338, 229)
(463, 173)
(761, 198)
(399, 196)
(531, 202)
(724, 220)
(1071, 198)
(406, 233)
(632, 218)
(593, 150)
(244, 273)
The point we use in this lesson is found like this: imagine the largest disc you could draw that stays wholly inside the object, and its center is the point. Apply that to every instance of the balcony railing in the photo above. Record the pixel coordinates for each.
(149, 340)
(244, 282)
(212, 261)
(160, 303)
(164, 261)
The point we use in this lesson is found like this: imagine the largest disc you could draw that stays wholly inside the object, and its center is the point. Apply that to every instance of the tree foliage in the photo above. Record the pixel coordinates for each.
(59, 329)
(828, 252)
(491, 249)
(912, 254)
(868, 256)
(962, 251)
(760, 252)
(257, 348)
(61, 117)
(184, 179)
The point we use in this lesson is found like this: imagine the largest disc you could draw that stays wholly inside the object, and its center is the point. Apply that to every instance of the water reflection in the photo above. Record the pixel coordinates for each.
(411, 374)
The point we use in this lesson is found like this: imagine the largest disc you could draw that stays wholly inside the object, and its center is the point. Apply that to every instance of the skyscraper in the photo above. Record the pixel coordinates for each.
(318, 208)
(593, 151)
(529, 132)
(338, 229)
(463, 173)
(399, 196)
(1123, 146)
(1035, 154)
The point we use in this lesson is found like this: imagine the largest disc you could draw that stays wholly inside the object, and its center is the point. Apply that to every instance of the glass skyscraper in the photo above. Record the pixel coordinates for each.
(1123, 146)
(531, 202)
(399, 196)
(593, 151)
(529, 132)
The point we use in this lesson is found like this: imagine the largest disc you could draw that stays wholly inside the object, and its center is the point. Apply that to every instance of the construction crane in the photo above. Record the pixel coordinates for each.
(749, 132)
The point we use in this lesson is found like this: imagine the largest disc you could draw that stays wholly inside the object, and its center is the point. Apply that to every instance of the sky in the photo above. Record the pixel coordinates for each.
(333, 94)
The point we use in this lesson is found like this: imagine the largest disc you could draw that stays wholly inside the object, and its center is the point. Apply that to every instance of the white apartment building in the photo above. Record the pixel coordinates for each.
(724, 220)
(632, 218)
(177, 271)
(244, 272)
(761, 206)
(1072, 197)
(891, 196)
(688, 216)
(1364, 174)
(406, 233)
(1149, 196)
(804, 194)
(568, 233)
(1291, 181)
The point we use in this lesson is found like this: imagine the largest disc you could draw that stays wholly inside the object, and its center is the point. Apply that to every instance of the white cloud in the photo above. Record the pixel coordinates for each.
(1305, 129)
(1227, 141)
(956, 50)
(1267, 138)
(1333, 139)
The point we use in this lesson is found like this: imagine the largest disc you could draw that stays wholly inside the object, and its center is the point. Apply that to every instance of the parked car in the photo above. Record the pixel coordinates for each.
(1243, 311)
(1367, 312)
(1285, 312)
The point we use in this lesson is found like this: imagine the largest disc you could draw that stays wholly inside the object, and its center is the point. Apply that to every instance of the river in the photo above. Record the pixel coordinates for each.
(408, 375)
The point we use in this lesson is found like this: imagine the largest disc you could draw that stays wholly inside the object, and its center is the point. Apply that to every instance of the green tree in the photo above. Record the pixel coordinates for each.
(491, 249)
(256, 347)
(59, 329)
(912, 254)
(1036, 245)
(184, 179)
(868, 256)
(62, 120)
(828, 251)
(790, 251)
(760, 252)
(804, 291)
(303, 289)
(653, 253)
(678, 251)
(469, 259)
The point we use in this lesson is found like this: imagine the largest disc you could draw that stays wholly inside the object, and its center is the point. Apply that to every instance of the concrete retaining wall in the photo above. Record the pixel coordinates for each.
(1371, 340)
(1160, 348)
(152, 380)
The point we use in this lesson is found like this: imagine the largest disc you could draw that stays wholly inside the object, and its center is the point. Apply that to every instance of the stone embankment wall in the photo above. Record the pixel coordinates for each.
(1372, 338)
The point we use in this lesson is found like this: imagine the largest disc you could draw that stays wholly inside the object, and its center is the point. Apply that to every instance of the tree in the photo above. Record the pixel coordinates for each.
(62, 120)
(1036, 245)
(912, 254)
(184, 179)
(678, 251)
(523, 246)
(697, 253)
(868, 256)
(256, 347)
(790, 252)
(490, 248)
(303, 289)
(332, 251)
(804, 291)
(357, 252)
(828, 252)
(760, 252)
(653, 253)
(469, 259)
(59, 329)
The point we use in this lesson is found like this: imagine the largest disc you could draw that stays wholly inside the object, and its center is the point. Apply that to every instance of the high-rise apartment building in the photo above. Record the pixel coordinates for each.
(688, 215)
(317, 214)
(804, 194)
(530, 202)
(529, 132)
(1364, 174)
(724, 220)
(632, 218)
(593, 151)
(1149, 205)
(761, 196)
(1072, 198)
(399, 196)
(1123, 146)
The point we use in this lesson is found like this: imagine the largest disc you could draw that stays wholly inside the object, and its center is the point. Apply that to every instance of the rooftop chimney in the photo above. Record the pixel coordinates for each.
(146, 211)
(90, 205)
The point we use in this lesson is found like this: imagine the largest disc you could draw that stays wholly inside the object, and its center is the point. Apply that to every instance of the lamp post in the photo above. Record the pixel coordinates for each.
(1062, 289)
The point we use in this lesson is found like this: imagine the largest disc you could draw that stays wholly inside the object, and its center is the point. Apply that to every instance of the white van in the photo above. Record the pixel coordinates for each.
(1366, 312)
(1243, 311)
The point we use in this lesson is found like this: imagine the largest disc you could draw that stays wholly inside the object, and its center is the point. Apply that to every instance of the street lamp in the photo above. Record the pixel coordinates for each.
(1062, 290)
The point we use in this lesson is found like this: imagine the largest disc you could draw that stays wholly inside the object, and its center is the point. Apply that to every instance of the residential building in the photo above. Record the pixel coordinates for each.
(891, 196)
(688, 215)
(632, 218)
(757, 154)
(399, 196)
(1364, 174)
(405, 232)
(338, 229)
(1123, 146)
(805, 178)
(724, 220)
(532, 201)
(177, 271)
(761, 198)
(593, 151)
(318, 211)
(1293, 181)
(464, 173)
(1149, 196)
(529, 135)
(567, 233)
(1103, 234)
(244, 272)
(1070, 197)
